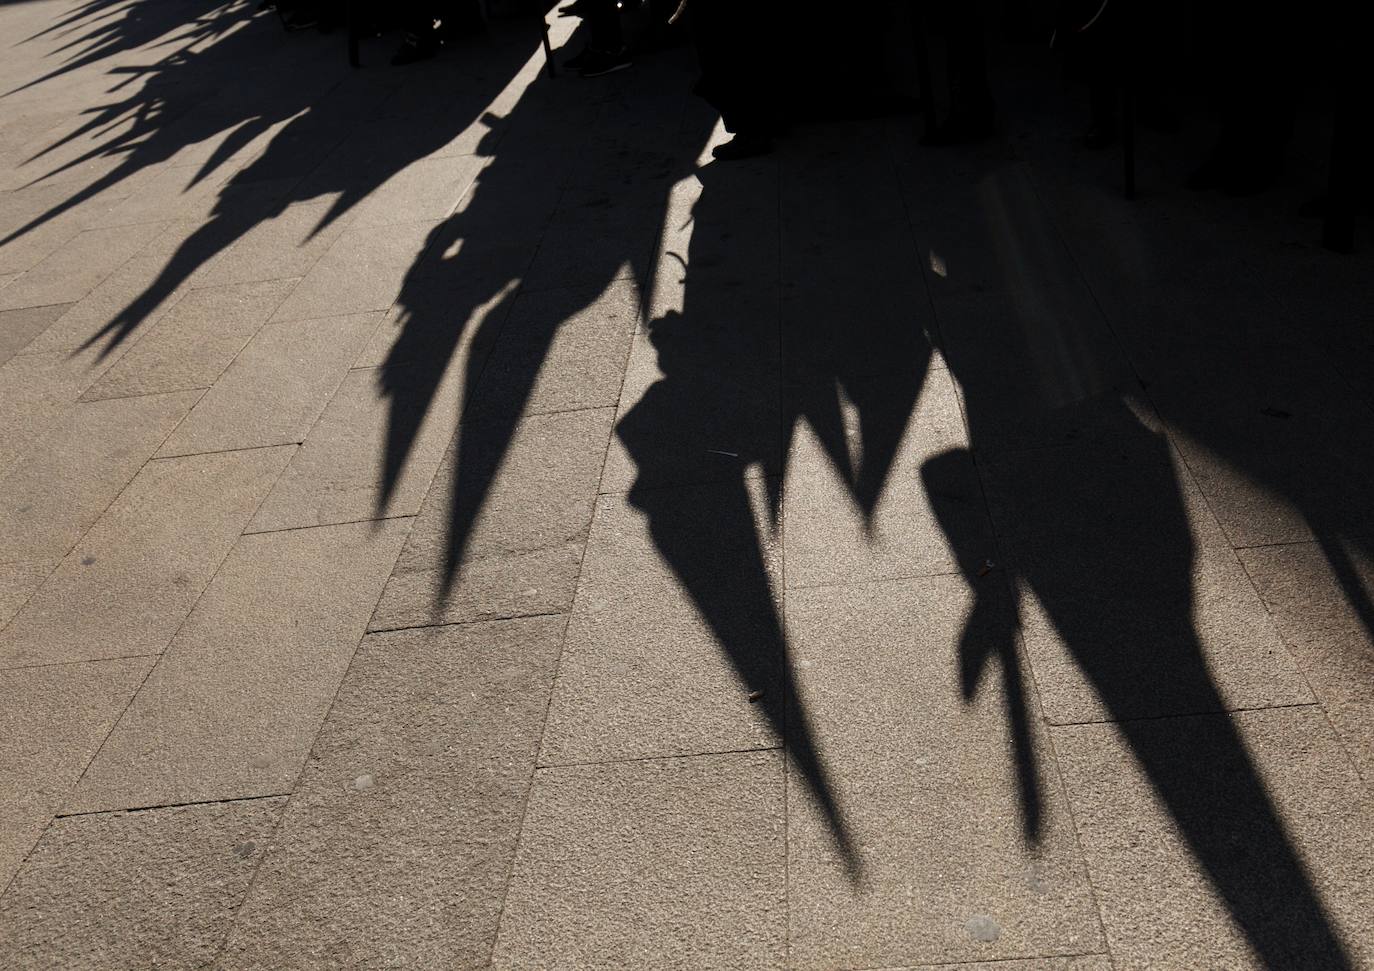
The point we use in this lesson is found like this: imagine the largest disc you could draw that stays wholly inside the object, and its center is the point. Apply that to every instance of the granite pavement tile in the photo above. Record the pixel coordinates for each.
(233, 706)
(666, 863)
(126, 588)
(53, 719)
(134, 890)
(407, 815)
(77, 267)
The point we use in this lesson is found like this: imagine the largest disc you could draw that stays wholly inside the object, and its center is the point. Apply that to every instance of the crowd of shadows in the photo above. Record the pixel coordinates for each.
(1100, 529)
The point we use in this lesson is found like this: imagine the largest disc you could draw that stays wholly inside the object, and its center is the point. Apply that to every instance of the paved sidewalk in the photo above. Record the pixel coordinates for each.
(446, 523)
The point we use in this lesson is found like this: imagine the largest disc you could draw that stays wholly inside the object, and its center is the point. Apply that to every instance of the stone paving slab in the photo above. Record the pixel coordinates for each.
(276, 388)
(19, 582)
(134, 890)
(18, 328)
(397, 846)
(1260, 865)
(661, 657)
(233, 705)
(52, 721)
(1135, 605)
(523, 549)
(671, 862)
(286, 246)
(77, 267)
(48, 502)
(996, 873)
(190, 346)
(340, 472)
(126, 588)
(912, 465)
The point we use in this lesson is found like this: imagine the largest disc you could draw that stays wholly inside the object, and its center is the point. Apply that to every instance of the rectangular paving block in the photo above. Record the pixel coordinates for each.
(132, 296)
(342, 471)
(191, 345)
(677, 621)
(134, 890)
(881, 487)
(49, 501)
(234, 704)
(38, 393)
(19, 582)
(665, 863)
(276, 387)
(423, 190)
(1086, 962)
(77, 267)
(285, 246)
(1134, 604)
(693, 411)
(560, 350)
(1319, 596)
(52, 720)
(363, 271)
(1224, 841)
(502, 530)
(398, 844)
(126, 588)
(961, 846)
(18, 328)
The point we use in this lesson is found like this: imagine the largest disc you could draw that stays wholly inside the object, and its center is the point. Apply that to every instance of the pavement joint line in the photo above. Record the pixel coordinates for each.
(89, 660)
(224, 451)
(963, 963)
(467, 623)
(631, 759)
(1216, 713)
(865, 582)
(344, 522)
(174, 805)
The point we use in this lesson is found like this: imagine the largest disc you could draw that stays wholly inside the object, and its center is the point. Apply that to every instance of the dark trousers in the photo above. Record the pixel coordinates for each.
(738, 74)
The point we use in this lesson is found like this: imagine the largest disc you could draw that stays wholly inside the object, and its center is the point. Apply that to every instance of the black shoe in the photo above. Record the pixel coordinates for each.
(597, 63)
(963, 125)
(743, 146)
(1099, 136)
(413, 50)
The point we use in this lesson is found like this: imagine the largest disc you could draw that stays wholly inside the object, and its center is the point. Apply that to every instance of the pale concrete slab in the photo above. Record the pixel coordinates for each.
(561, 350)
(883, 487)
(52, 721)
(1318, 595)
(522, 499)
(398, 844)
(115, 301)
(191, 345)
(48, 502)
(134, 890)
(1085, 962)
(18, 328)
(77, 267)
(38, 392)
(276, 387)
(19, 582)
(992, 873)
(427, 189)
(340, 472)
(1134, 603)
(665, 863)
(1248, 825)
(126, 588)
(363, 271)
(231, 709)
(166, 193)
(287, 246)
(668, 638)
(690, 415)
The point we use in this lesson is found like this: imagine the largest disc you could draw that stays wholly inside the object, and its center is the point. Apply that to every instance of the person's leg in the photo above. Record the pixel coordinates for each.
(606, 51)
(971, 108)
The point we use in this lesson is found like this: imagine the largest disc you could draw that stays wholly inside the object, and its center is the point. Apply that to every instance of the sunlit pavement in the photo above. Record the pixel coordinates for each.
(445, 523)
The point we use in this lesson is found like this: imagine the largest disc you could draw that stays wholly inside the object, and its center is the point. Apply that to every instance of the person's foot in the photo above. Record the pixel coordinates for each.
(743, 145)
(596, 63)
(1099, 135)
(963, 125)
(413, 50)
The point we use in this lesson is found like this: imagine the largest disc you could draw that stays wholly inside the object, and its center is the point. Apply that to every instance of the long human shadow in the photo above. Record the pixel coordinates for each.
(312, 118)
(1088, 494)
